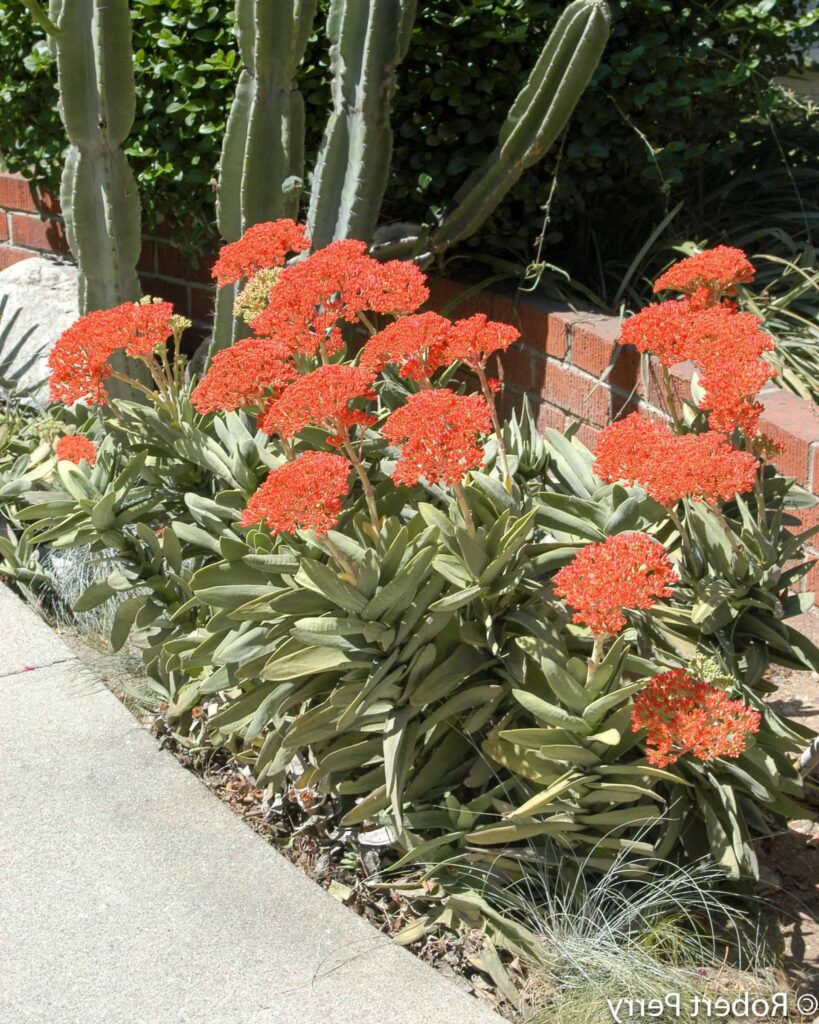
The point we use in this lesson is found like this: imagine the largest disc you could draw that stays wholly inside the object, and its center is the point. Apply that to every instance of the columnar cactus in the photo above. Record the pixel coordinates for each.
(263, 151)
(537, 117)
(262, 162)
(369, 39)
(99, 196)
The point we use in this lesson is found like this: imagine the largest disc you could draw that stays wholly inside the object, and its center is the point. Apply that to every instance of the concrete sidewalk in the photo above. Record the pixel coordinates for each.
(129, 893)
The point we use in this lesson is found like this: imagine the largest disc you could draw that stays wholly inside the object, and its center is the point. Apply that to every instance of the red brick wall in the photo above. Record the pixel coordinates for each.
(30, 225)
(570, 364)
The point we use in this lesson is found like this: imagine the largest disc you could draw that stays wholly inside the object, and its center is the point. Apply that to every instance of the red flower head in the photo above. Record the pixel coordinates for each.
(311, 297)
(76, 448)
(708, 276)
(321, 398)
(79, 360)
(663, 329)
(396, 287)
(628, 570)
(244, 374)
(704, 467)
(414, 344)
(475, 339)
(261, 247)
(681, 715)
(306, 494)
(730, 349)
(336, 283)
(438, 433)
(145, 325)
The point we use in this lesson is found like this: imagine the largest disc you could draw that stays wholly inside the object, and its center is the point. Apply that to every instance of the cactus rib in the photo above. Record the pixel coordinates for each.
(369, 39)
(98, 194)
(264, 141)
(538, 115)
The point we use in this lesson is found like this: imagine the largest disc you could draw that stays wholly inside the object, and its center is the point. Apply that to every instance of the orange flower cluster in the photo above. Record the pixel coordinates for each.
(337, 283)
(664, 330)
(322, 398)
(727, 346)
(626, 571)
(76, 448)
(438, 432)
(79, 361)
(306, 494)
(704, 467)
(261, 247)
(732, 370)
(244, 374)
(709, 276)
(416, 345)
(682, 715)
(475, 339)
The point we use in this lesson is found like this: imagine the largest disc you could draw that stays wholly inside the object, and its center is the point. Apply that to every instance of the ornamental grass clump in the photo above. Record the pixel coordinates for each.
(341, 567)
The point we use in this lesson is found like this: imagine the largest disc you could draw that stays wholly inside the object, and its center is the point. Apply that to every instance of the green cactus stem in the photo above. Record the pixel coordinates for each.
(262, 163)
(98, 194)
(369, 39)
(537, 117)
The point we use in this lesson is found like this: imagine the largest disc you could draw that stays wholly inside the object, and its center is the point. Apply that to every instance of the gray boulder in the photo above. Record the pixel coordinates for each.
(38, 301)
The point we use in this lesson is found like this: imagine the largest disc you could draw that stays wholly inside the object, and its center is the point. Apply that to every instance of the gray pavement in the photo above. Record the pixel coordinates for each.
(129, 893)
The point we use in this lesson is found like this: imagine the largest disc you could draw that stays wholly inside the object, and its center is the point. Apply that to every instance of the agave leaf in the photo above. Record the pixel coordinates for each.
(305, 663)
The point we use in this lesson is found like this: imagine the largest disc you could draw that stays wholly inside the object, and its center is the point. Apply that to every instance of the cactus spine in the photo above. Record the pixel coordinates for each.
(262, 161)
(537, 117)
(98, 194)
(369, 39)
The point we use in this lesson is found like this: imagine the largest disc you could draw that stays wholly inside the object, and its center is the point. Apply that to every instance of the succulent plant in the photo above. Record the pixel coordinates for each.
(100, 200)
(261, 171)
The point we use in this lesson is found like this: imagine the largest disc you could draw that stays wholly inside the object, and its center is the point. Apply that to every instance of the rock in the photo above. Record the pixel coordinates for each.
(43, 294)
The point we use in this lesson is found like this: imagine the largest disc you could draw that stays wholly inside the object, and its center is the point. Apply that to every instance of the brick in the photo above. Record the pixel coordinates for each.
(47, 204)
(623, 405)
(681, 377)
(170, 262)
(548, 416)
(514, 367)
(625, 372)
(443, 293)
(35, 233)
(542, 328)
(808, 517)
(577, 394)
(4, 226)
(9, 255)
(202, 303)
(793, 422)
(594, 342)
(147, 257)
(588, 435)
(16, 194)
(543, 331)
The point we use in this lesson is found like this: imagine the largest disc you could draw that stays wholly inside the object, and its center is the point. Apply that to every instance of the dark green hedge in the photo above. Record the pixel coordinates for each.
(675, 109)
